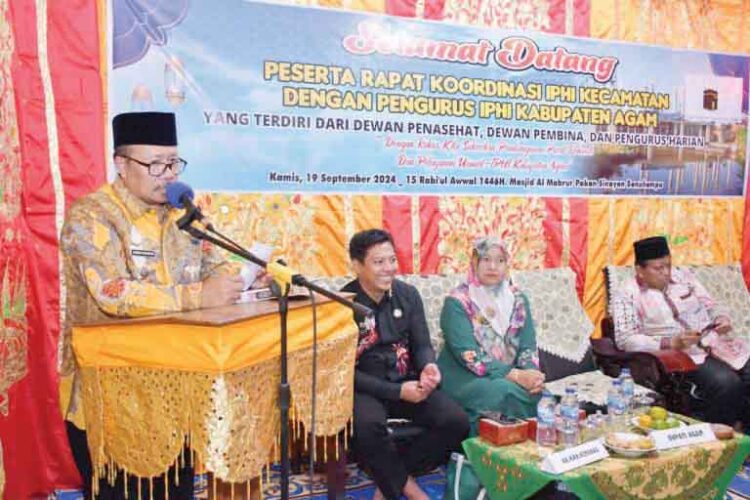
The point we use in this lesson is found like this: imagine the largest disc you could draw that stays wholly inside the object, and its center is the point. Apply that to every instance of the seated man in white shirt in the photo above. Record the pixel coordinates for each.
(662, 308)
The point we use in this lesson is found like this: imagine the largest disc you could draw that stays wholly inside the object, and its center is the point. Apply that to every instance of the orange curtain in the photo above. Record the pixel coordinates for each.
(703, 24)
(700, 231)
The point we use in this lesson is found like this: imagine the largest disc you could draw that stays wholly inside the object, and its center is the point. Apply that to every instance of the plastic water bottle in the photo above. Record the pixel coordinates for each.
(615, 402)
(628, 388)
(546, 435)
(569, 431)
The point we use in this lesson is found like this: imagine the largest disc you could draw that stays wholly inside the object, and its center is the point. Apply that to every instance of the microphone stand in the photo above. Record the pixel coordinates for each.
(284, 277)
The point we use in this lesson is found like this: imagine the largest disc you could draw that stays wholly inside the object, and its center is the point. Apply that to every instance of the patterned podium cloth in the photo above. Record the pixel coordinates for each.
(150, 386)
(700, 471)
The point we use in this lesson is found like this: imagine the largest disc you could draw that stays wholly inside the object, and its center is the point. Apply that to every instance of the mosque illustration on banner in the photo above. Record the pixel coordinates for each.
(701, 141)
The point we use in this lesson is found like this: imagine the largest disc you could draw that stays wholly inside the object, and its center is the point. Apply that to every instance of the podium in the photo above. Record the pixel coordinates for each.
(210, 378)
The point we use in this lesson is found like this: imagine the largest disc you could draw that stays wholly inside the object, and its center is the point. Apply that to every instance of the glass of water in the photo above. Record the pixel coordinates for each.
(642, 403)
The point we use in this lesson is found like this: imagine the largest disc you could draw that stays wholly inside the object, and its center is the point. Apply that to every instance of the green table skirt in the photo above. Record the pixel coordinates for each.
(700, 471)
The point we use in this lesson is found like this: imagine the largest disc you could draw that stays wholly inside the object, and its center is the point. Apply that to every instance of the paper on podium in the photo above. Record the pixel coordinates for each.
(250, 271)
(255, 295)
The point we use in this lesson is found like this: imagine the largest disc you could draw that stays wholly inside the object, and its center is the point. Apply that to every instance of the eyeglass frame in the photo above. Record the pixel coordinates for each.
(170, 164)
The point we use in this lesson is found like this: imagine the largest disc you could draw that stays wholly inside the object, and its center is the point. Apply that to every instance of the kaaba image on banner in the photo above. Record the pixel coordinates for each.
(710, 99)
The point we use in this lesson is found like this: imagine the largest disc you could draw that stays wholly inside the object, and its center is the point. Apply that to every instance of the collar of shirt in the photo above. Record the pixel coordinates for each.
(136, 207)
(674, 279)
(361, 296)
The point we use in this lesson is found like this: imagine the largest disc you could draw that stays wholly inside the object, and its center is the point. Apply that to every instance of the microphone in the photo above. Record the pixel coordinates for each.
(180, 195)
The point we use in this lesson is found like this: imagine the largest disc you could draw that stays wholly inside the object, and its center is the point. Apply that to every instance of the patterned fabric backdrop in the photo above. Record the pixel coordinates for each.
(700, 231)
(50, 153)
(698, 24)
(13, 278)
(52, 137)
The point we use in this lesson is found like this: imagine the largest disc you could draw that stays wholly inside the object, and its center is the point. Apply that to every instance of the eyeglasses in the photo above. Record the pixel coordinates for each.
(157, 168)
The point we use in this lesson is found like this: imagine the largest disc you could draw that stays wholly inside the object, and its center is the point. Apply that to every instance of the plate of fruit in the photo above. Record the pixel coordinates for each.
(656, 419)
(629, 444)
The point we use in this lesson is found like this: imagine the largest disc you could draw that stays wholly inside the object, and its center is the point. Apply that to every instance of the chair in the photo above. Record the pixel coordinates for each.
(664, 371)
(563, 335)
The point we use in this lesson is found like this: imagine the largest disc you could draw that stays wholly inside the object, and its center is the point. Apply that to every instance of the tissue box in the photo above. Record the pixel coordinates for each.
(503, 434)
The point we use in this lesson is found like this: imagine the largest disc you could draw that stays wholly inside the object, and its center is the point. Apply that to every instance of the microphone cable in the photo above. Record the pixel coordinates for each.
(226, 239)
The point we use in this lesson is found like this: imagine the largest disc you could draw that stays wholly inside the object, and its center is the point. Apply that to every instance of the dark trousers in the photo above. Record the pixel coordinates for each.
(726, 391)
(150, 489)
(446, 426)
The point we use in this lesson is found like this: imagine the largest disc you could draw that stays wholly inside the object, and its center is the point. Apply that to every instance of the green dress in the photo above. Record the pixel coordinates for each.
(462, 360)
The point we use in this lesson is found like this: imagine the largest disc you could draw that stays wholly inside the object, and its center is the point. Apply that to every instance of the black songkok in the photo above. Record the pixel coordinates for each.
(152, 128)
(651, 248)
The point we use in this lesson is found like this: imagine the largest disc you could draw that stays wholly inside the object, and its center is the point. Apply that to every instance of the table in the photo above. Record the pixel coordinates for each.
(209, 377)
(701, 471)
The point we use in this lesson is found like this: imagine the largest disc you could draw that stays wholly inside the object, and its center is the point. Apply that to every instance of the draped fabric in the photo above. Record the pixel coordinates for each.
(570, 17)
(13, 263)
(136, 416)
(715, 25)
(49, 52)
(699, 231)
(365, 5)
(52, 138)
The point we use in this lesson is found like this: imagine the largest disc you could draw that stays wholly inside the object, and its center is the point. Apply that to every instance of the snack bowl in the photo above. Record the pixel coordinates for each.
(629, 444)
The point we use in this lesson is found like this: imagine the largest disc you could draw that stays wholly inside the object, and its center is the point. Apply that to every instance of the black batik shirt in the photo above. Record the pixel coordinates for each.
(402, 347)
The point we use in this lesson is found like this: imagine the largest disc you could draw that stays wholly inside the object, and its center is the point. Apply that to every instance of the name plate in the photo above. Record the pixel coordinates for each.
(683, 436)
(572, 458)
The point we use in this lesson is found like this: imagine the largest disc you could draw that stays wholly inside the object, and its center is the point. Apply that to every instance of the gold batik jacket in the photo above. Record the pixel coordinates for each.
(124, 258)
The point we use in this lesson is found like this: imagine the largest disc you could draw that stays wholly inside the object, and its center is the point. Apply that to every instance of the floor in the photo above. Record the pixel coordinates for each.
(360, 487)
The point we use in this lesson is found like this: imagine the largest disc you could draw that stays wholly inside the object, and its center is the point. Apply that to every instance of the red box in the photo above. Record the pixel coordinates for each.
(531, 434)
(503, 434)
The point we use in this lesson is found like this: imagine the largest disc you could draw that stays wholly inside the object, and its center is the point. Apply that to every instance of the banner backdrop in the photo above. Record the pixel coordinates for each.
(281, 98)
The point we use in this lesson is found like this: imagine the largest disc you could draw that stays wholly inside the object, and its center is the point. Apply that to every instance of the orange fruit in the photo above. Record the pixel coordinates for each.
(645, 421)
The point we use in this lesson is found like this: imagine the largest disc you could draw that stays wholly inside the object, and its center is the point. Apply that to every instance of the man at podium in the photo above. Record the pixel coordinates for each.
(125, 257)
(396, 375)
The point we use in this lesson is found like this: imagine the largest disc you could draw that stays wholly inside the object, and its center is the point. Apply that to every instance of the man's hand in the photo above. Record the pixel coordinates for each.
(221, 290)
(430, 378)
(263, 280)
(684, 340)
(411, 392)
(722, 325)
(531, 380)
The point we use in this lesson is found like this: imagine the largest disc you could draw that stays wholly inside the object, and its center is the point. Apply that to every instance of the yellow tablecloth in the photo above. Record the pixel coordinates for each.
(149, 386)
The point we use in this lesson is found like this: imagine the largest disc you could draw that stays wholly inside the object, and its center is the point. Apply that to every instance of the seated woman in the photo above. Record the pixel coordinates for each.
(490, 361)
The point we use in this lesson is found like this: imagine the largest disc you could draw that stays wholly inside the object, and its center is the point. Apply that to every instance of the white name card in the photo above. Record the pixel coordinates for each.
(572, 458)
(683, 436)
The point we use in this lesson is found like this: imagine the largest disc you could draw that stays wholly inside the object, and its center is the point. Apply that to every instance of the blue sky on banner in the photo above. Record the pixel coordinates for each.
(206, 63)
